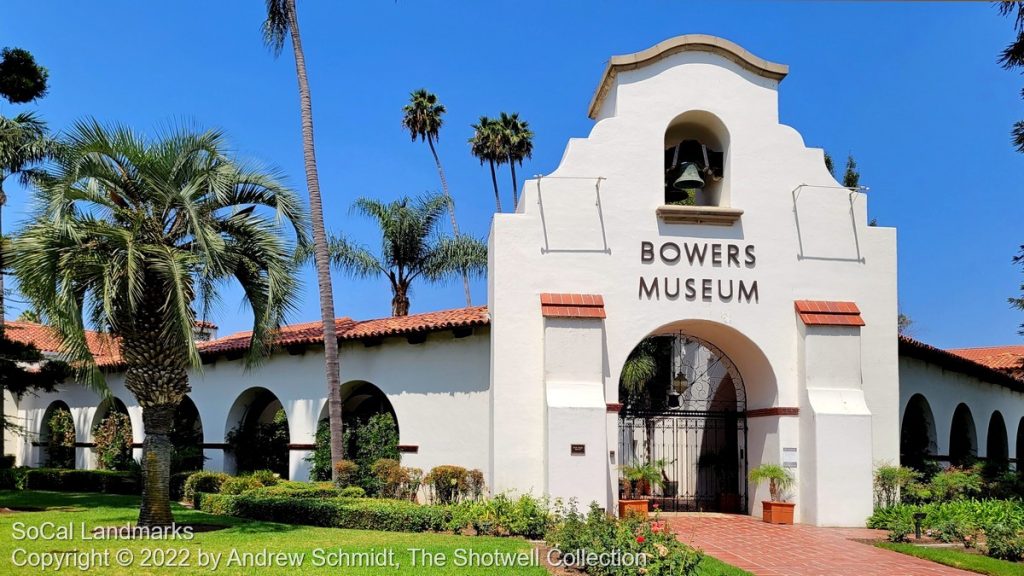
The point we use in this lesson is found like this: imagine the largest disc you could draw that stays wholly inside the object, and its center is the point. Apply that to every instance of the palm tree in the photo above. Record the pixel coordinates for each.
(410, 247)
(130, 236)
(517, 141)
(423, 120)
(486, 146)
(283, 21)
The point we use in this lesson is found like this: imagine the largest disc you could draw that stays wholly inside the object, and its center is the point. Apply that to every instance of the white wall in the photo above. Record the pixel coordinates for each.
(946, 389)
(570, 234)
(438, 390)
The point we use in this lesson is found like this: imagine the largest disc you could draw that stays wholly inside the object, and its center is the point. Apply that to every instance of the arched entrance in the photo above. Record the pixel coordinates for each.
(963, 437)
(997, 451)
(187, 438)
(57, 436)
(112, 436)
(918, 441)
(257, 434)
(683, 429)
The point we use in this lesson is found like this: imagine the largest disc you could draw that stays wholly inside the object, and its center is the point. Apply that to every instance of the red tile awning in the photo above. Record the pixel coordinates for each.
(829, 313)
(572, 305)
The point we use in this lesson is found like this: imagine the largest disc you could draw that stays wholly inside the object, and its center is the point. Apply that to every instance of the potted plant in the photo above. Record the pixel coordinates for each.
(776, 511)
(638, 480)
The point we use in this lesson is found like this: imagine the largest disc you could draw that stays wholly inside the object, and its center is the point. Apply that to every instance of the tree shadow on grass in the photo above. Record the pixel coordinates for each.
(63, 501)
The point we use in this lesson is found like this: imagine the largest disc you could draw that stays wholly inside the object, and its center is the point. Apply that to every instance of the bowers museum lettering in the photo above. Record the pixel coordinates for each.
(696, 255)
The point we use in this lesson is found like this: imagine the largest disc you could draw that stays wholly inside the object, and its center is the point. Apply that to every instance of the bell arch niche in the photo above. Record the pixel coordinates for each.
(696, 160)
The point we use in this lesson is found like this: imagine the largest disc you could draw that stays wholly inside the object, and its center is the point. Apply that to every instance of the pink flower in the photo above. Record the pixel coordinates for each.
(657, 506)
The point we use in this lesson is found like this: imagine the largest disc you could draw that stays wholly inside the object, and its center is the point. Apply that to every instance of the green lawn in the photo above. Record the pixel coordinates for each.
(237, 534)
(959, 559)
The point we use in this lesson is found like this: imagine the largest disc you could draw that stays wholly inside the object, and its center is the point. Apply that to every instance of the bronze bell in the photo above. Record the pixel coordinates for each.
(689, 178)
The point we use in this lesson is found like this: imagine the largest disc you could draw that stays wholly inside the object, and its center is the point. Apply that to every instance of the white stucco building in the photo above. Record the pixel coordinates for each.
(775, 300)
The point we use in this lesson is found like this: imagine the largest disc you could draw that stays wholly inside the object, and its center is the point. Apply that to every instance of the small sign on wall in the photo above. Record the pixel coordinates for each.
(577, 449)
(789, 458)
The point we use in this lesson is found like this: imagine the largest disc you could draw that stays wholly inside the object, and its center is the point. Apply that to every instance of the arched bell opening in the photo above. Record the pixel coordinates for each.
(695, 164)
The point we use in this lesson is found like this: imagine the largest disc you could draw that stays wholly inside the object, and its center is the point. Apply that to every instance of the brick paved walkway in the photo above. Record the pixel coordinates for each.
(770, 550)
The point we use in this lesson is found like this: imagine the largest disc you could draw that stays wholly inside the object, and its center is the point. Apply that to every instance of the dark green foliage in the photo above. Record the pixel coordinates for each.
(13, 478)
(21, 79)
(107, 481)
(355, 513)
(960, 521)
(16, 361)
(1004, 542)
(60, 445)
(113, 436)
(203, 482)
(320, 458)
(369, 442)
(177, 485)
(187, 440)
(261, 446)
(7, 461)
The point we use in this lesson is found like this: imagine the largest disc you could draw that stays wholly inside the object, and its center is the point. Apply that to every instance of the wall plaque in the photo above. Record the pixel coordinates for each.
(578, 449)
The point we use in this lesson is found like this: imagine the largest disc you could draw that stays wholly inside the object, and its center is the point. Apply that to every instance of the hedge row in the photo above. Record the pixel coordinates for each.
(61, 480)
(356, 513)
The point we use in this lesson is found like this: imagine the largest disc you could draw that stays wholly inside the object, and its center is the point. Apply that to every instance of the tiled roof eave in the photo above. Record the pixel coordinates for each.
(950, 361)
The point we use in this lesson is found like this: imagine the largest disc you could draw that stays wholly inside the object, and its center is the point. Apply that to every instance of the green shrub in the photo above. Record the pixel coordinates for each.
(113, 437)
(320, 458)
(599, 533)
(450, 484)
(240, 484)
(353, 492)
(107, 481)
(1004, 542)
(203, 482)
(13, 478)
(956, 483)
(395, 480)
(291, 489)
(347, 473)
(370, 441)
(60, 446)
(890, 481)
(266, 477)
(356, 513)
(524, 516)
(177, 485)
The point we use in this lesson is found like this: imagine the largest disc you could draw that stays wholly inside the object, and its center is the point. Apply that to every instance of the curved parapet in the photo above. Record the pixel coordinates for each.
(684, 43)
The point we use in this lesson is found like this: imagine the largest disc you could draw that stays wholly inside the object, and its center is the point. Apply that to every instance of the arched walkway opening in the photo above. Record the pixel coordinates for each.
(187, 438)
(361, 401)
(257, 434)
(997, 453)
(963, 437)
(57, 436)
(111, 435)
(683, 429)
(918, 442)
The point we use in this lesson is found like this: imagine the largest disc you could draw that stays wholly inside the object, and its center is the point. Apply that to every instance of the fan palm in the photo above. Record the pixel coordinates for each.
(130, 236)
(423, 120)
(23, 144)
(486, 145)
(283, 22)
(410, 247)
(517, 142)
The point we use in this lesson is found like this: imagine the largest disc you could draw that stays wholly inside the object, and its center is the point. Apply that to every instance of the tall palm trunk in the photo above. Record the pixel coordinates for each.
(156, 374)
(494, 181)
(451, 212)
(320, 253)
(400, 301)
(515, 184)
(3, 434)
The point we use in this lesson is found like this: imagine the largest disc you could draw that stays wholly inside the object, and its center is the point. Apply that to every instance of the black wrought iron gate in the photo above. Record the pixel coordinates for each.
(702, 457)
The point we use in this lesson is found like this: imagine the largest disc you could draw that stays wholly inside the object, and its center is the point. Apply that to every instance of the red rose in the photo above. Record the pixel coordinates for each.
(640, 539)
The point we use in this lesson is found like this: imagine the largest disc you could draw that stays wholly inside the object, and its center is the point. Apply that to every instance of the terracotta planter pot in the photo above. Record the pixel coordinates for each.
(633, 507)
(778, 512)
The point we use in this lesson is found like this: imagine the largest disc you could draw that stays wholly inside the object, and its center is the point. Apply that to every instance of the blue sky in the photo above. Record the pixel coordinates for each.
(913, 90)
